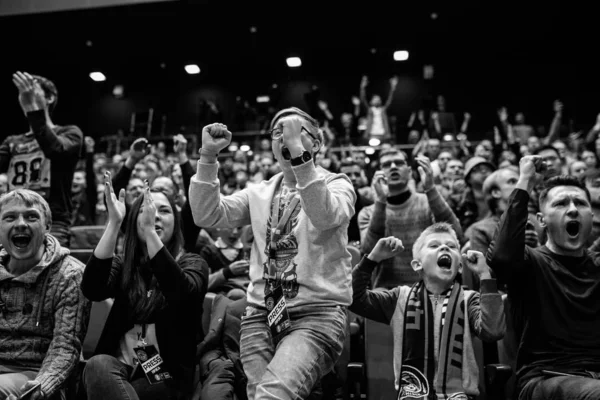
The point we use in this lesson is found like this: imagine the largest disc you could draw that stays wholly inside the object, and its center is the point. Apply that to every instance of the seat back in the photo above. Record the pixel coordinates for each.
(379, 360)
(82, 255)
(207, 309)
(85, 237)
(98, 317)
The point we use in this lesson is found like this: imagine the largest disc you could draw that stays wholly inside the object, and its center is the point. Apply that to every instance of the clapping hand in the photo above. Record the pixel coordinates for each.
(425, 172)
(31, 94)
(148, 216)
(116, 207)
(380, 187)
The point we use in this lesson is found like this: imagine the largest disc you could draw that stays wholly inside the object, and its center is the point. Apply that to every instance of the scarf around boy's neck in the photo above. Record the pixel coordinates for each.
(418, 377)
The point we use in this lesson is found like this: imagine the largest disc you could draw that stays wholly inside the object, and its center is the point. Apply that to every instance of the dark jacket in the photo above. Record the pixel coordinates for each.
(182, 282)
(221, 371)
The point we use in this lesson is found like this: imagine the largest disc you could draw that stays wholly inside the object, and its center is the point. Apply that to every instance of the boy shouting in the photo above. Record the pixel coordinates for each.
(434, 320)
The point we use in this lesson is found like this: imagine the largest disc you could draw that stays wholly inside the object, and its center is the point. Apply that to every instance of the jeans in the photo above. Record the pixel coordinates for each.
(62, 233)
(11, 383)
(291, 368)
(105, 377)
(561, 388)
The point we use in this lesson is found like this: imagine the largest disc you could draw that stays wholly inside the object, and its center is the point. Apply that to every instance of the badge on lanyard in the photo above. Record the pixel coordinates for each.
(278, 317)
(151, 362)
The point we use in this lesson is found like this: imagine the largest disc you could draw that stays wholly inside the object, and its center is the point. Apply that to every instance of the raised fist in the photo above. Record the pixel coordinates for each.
(215, 137)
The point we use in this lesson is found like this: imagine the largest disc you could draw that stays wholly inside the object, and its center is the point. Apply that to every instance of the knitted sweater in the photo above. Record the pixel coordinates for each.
(485, 318)
(405, 221)
(313, 264)
(47, 317)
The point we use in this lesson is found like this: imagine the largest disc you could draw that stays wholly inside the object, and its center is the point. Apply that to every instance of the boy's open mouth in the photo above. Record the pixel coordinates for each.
(445, 261)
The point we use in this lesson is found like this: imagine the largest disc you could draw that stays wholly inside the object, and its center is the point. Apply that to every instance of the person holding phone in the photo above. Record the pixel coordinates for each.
(555, 288)
(293, 330)
(401, 213)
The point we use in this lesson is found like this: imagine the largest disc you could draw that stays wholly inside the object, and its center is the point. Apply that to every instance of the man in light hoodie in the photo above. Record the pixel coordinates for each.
(43, 314)
(293, 330)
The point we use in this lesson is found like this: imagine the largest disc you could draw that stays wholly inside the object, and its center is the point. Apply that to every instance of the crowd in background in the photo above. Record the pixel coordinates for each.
(399, 191)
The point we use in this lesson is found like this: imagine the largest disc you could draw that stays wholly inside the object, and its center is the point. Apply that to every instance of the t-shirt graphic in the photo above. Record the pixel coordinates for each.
(283, 267)
(28, 168)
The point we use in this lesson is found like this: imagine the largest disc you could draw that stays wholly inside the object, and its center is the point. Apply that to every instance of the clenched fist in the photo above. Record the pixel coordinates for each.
(215, 137)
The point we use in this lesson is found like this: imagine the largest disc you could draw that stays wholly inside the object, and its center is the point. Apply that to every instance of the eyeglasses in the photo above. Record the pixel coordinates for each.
(277, 132)
(388, 163)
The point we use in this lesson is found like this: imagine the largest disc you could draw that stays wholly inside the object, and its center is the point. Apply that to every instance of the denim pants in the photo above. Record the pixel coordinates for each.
(105, 377)
(561, 388)
(306, 353)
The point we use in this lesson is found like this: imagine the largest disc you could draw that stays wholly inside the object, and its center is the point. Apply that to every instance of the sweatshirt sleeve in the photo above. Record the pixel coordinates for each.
(180, 281)
(67, 144)
(371, 222)
(376, 305)
(327, 204)
(209, 208)
(71, 317)
(486, 312)
(101, 277)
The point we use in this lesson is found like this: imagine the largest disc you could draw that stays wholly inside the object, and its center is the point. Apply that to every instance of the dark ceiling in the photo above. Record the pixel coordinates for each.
(486, 52)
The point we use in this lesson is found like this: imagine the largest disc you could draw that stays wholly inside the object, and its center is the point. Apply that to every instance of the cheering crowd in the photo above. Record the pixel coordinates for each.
(496, 239)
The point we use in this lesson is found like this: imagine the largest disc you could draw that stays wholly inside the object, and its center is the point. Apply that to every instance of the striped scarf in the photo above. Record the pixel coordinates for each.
(418, 378)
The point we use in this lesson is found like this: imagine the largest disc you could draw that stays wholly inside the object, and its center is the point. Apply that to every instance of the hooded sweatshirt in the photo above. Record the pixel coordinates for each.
(46, 317)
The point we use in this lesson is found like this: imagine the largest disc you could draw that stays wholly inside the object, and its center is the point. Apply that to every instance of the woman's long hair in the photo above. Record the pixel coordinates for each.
(141, 306)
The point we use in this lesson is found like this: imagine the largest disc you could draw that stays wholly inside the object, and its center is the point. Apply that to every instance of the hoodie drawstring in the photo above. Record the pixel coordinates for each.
(42, 297)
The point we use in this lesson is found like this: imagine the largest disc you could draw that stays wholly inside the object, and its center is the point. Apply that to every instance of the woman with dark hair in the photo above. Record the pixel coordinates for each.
(147, 346)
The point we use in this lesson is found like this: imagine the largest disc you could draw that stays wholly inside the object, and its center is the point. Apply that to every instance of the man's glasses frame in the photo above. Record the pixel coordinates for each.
(277, 132)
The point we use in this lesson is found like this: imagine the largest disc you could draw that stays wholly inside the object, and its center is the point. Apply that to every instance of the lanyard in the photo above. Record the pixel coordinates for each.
(280, 223)
(144, 343)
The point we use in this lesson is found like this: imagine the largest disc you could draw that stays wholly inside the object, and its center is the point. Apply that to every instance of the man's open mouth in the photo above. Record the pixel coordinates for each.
(445, 261)
(21, 240)
(573, 228)
(285, 153)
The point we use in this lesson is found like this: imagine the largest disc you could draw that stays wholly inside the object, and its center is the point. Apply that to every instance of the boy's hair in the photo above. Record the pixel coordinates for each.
(438, 227)
(49, 89)
(30, 199)
(561, 180)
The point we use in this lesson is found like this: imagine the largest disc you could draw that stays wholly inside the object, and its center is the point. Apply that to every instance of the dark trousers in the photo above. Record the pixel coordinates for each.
(105, 377)
(561, 388)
